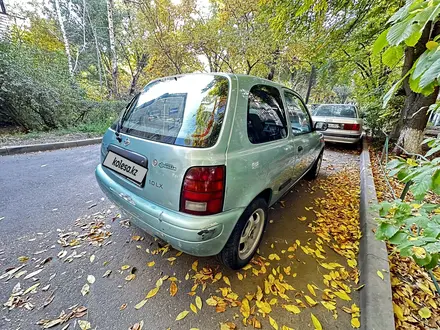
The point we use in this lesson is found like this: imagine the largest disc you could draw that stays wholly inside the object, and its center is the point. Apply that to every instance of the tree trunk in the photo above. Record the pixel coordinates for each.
(311, 82)
(271, 73)
(415, 120)
(142, 63)
(66, 41)
(414, 115)
(114, 60)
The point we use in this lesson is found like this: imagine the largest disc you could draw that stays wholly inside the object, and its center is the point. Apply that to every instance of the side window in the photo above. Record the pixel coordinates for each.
(266, 119)
(298, 115)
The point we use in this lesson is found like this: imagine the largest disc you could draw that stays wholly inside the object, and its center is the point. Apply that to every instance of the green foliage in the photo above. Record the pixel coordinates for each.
(414, 227)
(380, 119)
(37, 93)
(407, 26)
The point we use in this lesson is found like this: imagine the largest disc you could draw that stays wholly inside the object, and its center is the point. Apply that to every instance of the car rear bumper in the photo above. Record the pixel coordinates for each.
(342, 138)
(195, 235)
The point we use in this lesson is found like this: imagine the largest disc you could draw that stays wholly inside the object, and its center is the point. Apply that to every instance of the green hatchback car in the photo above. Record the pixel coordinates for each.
(197, 159)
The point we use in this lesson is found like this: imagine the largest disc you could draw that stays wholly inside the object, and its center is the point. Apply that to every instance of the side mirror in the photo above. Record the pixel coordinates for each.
(321, 126)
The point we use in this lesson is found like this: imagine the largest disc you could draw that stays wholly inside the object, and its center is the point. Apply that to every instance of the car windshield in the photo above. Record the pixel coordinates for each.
(183, 110)
(335, 110)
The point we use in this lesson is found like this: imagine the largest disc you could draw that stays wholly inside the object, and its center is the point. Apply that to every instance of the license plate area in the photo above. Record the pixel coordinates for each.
(337, 126)
(130, 165)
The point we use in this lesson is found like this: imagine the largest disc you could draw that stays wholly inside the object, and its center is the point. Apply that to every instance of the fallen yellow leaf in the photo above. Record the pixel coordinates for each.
(264, 307)
(211, 301)
(316, 322)
(194, 265)
(182, 315)
(226, 280)
(173, 289)
(425, 313)
(273, 323)
(355, 323)
(193, 308)
(152, 292)
(329, 305)
(151, 264)
(140, 304)
(342, 294)
(130, 277)
(292, 308)
(398, 312)
(125, 267)
(379, 273)
(310, 301)
(311, 289)
(274, 256)
(352, 263)
(245, 308)
(199, 302)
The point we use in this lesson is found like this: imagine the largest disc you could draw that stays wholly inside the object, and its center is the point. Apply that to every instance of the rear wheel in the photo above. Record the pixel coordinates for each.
(313, 173)
(246, 236)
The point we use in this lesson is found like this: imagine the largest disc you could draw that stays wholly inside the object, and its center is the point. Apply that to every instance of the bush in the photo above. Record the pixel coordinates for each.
(379, 119)
(37, 92)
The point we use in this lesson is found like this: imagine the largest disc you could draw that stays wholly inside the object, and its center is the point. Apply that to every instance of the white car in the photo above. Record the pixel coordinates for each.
(344, 122)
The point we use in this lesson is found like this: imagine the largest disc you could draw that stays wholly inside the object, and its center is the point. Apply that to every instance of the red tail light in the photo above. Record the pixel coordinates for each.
(203, 190)
(352, 127)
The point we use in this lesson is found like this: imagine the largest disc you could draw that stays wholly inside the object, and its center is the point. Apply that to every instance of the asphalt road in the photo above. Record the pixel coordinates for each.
(41, 196)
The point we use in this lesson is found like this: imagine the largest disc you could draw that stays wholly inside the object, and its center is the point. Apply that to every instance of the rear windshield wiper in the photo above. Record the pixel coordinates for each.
(122, 117)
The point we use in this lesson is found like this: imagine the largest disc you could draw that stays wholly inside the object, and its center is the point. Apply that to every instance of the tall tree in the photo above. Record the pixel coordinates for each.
(66, 41)
(114, 59)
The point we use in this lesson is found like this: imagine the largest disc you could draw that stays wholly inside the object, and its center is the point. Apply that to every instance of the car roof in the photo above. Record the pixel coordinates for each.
(240, 77)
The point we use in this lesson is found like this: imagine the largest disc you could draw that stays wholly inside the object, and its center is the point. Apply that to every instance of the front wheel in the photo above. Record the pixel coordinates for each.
(246, 236)
(313, 173)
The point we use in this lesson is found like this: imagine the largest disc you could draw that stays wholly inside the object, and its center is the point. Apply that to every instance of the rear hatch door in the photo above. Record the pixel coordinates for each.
(174, 125)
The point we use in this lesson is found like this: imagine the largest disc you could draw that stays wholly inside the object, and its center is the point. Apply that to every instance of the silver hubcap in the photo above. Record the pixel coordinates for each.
(250, 236)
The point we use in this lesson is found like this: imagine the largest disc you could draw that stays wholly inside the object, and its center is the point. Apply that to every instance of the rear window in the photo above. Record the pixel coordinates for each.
(186, 111)
(335, 110)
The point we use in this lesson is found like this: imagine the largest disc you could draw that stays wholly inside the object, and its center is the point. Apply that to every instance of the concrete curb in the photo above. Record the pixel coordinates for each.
(14, 150)
(376, 297)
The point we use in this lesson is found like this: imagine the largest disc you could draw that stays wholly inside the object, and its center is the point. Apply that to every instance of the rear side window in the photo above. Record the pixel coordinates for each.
(266, 119)
(186, 111)
(298, 115)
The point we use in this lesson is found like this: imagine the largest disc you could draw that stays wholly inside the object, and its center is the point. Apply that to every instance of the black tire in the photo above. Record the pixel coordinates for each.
(229, 256)
(313, 173)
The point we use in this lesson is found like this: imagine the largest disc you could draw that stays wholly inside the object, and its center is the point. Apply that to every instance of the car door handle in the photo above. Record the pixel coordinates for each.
(300, 148)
